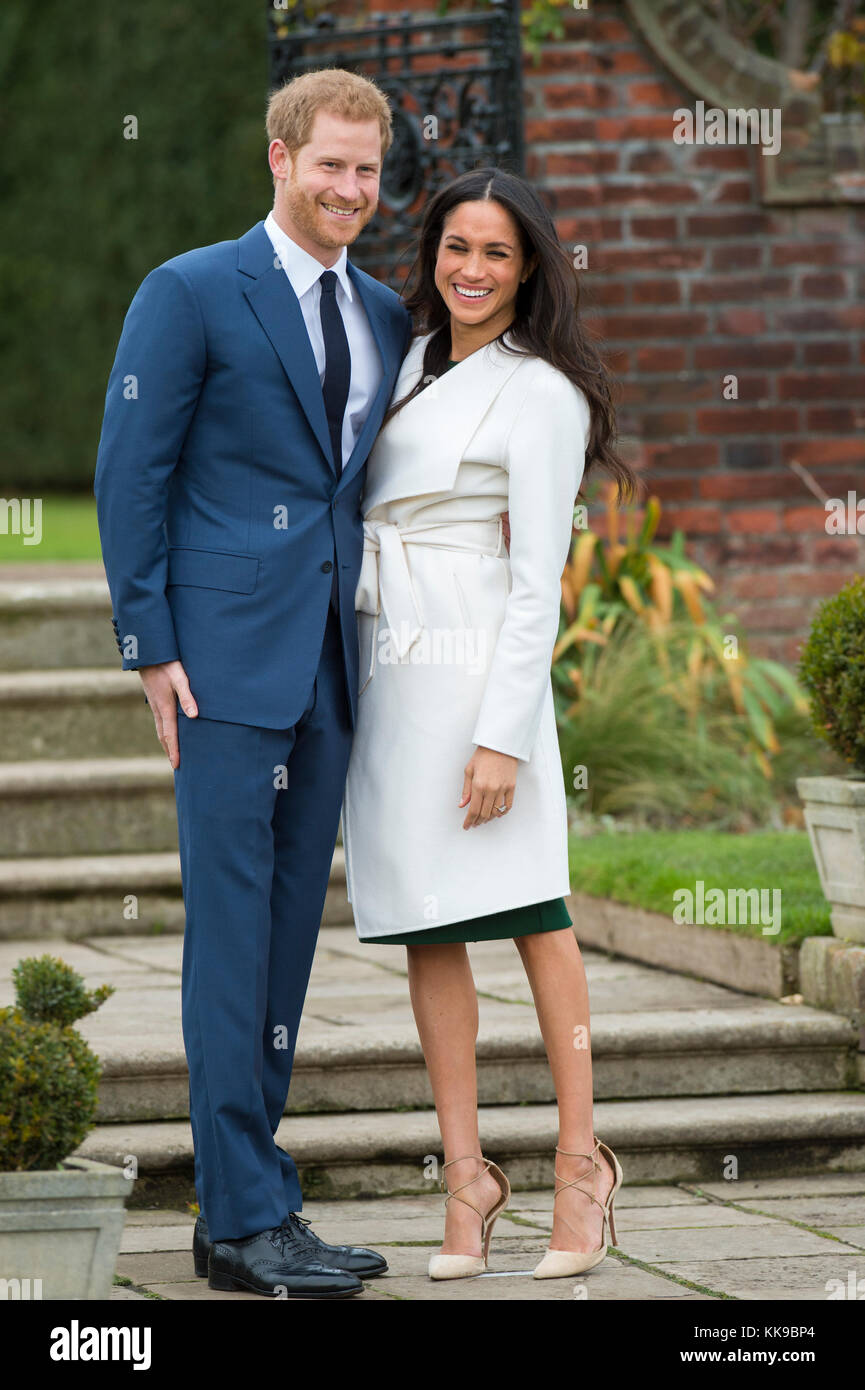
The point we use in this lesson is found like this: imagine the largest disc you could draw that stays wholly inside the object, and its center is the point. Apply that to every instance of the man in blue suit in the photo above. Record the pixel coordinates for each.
(249, 384)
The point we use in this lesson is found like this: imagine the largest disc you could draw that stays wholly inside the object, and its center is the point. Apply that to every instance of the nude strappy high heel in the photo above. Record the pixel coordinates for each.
(558, 1264)
(462, 1266)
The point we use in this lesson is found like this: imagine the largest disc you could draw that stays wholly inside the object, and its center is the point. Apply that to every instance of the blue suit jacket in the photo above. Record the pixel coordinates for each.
(220, 511)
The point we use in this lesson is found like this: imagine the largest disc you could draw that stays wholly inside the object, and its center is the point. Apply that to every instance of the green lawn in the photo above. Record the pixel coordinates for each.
(68, 531)
(646, 868)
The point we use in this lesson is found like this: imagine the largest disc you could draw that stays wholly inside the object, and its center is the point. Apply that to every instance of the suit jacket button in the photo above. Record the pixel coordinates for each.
(326, 567)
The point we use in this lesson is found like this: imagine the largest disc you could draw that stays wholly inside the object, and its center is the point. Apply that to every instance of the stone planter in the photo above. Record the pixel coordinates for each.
(835, 817)
(61, 1227)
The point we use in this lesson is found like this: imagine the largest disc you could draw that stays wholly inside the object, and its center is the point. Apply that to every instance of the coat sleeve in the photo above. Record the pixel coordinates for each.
(545, 458)
(158, 371)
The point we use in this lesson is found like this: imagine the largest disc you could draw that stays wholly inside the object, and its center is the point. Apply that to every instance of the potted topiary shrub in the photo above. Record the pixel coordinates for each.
(61, 1218)
(832, 670)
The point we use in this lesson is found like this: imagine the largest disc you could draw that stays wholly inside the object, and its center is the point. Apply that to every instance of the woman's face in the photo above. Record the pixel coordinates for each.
(480, 265)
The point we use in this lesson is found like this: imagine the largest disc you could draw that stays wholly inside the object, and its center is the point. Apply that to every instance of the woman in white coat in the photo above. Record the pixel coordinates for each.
(500, 406)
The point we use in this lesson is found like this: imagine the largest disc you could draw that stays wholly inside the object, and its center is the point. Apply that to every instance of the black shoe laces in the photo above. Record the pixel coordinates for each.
(299, 1228)
(284, 1238)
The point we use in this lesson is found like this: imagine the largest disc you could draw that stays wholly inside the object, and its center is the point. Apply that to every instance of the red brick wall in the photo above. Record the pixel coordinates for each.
(690, 279)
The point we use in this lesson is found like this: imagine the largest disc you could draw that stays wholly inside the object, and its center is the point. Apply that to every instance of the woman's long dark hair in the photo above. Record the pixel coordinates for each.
(546, 322)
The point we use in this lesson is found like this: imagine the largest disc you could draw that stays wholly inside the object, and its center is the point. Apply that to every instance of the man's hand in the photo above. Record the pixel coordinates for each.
(164, 685)
(490, 779)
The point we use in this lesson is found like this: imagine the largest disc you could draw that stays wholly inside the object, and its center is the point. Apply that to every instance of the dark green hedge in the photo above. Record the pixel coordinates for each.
(85, 213)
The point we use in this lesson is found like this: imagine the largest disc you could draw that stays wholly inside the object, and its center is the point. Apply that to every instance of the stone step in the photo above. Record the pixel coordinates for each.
(87, 713)
(72, 897)
(655, 1053)
(87, 806)
(678, 1139)
(55, 623)
(90, 895)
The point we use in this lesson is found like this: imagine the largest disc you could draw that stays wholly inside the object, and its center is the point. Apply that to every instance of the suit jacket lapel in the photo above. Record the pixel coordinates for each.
(276, 307)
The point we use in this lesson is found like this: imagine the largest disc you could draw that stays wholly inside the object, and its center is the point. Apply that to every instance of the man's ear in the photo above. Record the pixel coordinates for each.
(279, 159)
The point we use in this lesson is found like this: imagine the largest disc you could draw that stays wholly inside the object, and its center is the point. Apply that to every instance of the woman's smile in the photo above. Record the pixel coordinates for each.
(468, 293)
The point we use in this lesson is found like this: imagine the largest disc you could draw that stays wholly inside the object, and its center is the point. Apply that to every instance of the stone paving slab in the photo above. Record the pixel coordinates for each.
(162, 952)
(610, 1281)
(141, 1239)
(745, 1189)
(654, 991)
(185, 1292)
(851, 1235)
(779, 1279)
(821, 1211)
(510, 1278)
(684, 1218)
(167, 1217)
(675, 1245)
(720, 1251)
(656, 1195)
(613, 984)
(160, 1267)
(94, 965)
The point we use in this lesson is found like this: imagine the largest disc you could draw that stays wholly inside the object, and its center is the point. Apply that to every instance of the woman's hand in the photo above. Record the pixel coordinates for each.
(490, 779)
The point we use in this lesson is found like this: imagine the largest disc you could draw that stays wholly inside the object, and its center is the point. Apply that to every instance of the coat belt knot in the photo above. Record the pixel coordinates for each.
(385, 585)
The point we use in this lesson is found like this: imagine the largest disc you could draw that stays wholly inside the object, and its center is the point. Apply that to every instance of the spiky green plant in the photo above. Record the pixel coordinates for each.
(609, 580)
(651, 752)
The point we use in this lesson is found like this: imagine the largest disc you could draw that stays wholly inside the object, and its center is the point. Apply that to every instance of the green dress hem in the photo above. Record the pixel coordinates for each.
(496, 926)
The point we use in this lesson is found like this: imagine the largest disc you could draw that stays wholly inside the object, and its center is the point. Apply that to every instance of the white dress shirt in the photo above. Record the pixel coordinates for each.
(304, 273)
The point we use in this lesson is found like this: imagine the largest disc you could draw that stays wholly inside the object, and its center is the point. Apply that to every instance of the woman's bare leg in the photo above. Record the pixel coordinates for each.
(557, 978)
(445, 1005)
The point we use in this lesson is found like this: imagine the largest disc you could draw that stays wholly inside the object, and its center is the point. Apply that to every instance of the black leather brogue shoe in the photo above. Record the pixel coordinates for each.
(276, 1264)
(356, 1259)
(366, 1264)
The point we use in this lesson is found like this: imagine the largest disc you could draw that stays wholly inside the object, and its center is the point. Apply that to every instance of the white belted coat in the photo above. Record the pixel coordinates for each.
(456, 639)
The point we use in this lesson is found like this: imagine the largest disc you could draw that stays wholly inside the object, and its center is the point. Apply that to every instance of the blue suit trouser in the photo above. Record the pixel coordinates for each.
(258, 813)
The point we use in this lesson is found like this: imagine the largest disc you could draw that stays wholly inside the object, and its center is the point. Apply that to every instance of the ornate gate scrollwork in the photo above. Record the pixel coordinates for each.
(454, 83)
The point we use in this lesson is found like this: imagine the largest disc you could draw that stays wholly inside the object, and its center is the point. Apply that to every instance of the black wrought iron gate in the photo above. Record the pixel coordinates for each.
(454, 82)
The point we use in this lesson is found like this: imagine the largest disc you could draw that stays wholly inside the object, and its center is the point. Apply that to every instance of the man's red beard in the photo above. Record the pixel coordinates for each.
(305, 211)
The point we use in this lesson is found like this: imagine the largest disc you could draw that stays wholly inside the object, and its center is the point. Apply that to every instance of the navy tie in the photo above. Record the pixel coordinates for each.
(337, 364)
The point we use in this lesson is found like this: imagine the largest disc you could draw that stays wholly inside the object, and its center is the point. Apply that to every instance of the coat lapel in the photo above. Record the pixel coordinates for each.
(423, 445)
(277, 309)
(390, 364)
